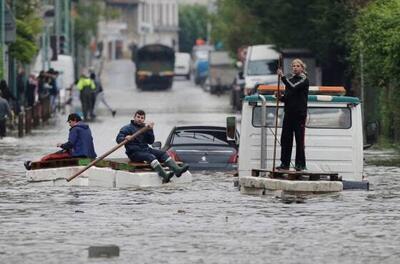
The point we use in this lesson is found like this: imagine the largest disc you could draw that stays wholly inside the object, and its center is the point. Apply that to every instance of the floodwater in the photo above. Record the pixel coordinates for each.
(207, 221)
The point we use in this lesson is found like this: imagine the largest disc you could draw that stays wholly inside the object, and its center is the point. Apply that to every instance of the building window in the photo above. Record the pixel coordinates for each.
(160, 13)
(173, 14)
(167, 13)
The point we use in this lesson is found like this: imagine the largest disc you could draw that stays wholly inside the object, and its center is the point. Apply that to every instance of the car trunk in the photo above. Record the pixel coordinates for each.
(207, 157)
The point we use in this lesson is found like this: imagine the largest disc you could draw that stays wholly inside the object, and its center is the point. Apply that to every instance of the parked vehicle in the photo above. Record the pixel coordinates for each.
(334, 134)
(221, 71)
(155, 67)
(260, 66)
(200, 63)
(65, 67)
(182, 65)
(202, 147)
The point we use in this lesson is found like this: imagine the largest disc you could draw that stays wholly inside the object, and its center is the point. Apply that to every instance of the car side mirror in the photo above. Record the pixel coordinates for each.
(231, 128)
(156, 145)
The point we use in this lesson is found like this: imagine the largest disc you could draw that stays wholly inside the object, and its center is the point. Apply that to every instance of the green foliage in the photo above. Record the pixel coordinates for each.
(28, 27)
(235, 26)
(377, 37)
(193, 25)
(88, 15)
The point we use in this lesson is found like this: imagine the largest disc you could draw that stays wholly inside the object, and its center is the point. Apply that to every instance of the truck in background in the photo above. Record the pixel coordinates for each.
(221, 71)
(200, 63)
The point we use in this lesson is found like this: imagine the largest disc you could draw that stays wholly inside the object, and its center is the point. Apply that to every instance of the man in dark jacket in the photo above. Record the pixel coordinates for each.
(295, 99)
(79, 144)
(80, 140)
(138, 149)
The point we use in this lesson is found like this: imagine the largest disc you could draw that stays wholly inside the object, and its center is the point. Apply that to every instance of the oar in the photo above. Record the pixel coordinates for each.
(276, 116)
(144, 129)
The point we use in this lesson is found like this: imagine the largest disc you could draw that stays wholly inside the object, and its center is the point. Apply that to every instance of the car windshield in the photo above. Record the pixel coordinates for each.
(199, 137)
(262, 67)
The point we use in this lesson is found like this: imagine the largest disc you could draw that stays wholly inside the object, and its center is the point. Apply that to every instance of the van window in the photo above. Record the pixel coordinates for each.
(317, 117)
(262, 67)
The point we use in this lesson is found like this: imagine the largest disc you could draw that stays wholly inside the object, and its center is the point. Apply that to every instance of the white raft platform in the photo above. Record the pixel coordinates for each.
(101, 177)
(259, 185)
(290, 181)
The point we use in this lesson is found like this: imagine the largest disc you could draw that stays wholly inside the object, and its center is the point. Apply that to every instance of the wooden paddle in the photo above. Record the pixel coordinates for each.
(137, 133)
(276, 114)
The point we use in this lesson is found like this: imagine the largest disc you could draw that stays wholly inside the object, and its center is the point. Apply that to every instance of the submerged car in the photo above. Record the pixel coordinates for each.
(202, 147)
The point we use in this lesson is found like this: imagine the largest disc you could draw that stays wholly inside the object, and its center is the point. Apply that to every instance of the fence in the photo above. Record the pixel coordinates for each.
(30, 118)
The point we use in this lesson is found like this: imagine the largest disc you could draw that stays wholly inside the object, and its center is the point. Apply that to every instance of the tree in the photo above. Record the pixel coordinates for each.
(28, 27)
(192, 25)
(377, 38)
(319, 25)
(235, 26)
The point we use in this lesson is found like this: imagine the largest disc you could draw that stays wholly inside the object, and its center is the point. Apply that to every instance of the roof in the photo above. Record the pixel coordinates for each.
(311, 98)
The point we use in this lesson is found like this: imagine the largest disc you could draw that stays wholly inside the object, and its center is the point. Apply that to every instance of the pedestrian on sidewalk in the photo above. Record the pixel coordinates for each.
(31, 90)
(294, 120)
(86, 88)
(5, 112)
(54, 89)
(100, 97)
(138, 149)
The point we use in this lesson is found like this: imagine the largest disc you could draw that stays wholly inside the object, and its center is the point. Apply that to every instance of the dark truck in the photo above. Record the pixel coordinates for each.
(154, 67)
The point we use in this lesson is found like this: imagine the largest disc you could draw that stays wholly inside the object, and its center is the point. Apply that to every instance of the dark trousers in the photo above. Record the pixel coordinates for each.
(293, 124)
(148, 155)
(3, 127)
(87, 103)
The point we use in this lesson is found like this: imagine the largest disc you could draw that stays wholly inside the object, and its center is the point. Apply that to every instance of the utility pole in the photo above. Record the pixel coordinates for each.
(2, 43)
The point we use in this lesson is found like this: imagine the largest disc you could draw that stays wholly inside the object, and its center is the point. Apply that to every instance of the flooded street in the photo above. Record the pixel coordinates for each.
(207, 221)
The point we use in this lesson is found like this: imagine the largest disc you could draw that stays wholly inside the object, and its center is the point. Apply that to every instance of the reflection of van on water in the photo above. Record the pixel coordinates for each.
(260, 66)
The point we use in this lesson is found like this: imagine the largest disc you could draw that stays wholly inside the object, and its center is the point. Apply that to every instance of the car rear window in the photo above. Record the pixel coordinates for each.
(198, 137)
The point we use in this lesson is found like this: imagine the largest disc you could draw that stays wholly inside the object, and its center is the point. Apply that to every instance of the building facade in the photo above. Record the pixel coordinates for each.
(148, 21)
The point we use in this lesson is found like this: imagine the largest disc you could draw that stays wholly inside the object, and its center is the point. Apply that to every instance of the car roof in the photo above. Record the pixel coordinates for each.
(199, 128)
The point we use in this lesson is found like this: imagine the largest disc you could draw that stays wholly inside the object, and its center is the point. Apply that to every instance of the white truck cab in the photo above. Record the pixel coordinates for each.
(333, 136)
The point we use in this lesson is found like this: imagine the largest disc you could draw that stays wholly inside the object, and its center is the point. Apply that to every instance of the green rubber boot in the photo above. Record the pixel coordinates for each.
(166, 176)
(175, 167)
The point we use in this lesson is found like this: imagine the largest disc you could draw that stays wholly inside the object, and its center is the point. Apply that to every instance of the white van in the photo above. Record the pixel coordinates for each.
(182, 64)
(333, 139)
(260, 66)
(65, 66)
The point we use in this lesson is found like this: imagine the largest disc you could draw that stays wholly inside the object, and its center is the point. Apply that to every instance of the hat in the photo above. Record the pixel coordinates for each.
(74, 117)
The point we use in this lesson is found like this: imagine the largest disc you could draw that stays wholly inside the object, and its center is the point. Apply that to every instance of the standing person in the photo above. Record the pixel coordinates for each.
(79, 144)
(295, 99)
(5, 112)
(100, 94)
(52, 81)
(31, 90)
(6, 91)
(86, 87)
(138, 149)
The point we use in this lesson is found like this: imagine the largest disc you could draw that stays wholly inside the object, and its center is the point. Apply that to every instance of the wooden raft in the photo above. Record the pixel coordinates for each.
(116, 164)
(298, 175)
